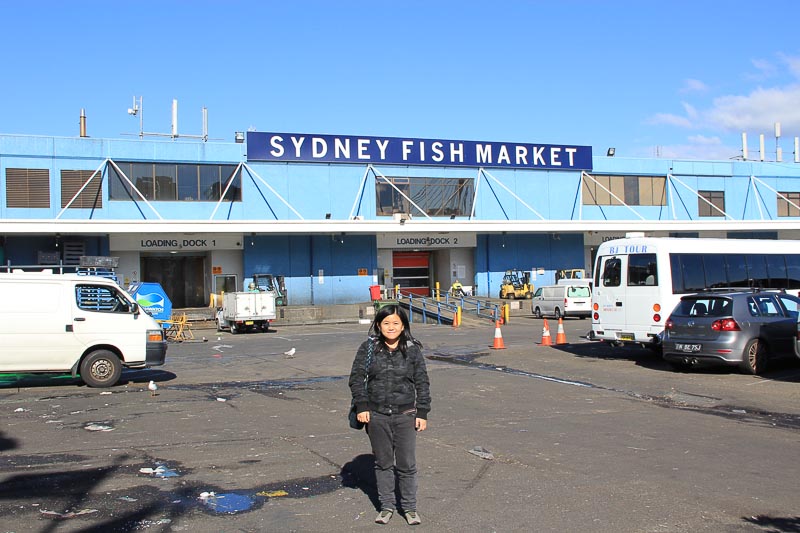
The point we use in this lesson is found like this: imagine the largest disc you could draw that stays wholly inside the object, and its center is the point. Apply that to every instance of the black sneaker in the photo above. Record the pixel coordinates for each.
(413, 519)
(384, 516)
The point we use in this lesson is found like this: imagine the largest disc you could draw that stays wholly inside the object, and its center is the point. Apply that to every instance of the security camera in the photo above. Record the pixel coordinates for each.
(131, 111)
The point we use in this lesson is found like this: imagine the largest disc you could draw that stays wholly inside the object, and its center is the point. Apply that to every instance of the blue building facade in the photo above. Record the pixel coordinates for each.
(335, 215)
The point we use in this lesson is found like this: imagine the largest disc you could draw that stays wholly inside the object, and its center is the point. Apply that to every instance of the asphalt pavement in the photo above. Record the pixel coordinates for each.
(239, 436)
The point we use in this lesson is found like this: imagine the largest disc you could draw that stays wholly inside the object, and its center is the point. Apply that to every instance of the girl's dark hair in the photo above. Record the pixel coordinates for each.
(405, 336)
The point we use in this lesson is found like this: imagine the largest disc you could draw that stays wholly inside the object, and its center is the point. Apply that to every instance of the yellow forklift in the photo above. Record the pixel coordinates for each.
(516, 284)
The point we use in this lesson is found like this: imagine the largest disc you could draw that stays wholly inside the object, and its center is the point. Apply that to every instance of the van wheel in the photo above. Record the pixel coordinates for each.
(557, 313)
(537, 313)
(754, 358)
(101, 368)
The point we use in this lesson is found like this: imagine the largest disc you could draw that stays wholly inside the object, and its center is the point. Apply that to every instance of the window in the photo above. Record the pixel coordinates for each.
(697, 272)
(612, 272)
(642, 270)
(170, 182)
(27, 187)
(715, 198)
(578, 292)
(100, 298)
(632, 190)
(437, 197)
(90, 197)
(786, 209)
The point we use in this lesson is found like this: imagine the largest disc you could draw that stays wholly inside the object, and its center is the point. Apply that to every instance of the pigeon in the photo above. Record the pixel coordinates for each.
(152, 387)
(290, 353)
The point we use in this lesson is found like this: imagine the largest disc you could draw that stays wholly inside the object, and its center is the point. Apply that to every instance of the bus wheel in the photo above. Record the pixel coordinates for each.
(101, 368)
(754, 358)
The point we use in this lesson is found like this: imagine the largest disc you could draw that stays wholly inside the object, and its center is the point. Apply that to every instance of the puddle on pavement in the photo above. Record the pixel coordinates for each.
(226, 502)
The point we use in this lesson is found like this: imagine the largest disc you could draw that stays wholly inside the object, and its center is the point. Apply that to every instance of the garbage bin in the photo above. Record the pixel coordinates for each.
(375, 292)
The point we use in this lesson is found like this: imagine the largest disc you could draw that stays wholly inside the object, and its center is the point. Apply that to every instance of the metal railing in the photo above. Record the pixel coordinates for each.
(62, 268)
(447, 310)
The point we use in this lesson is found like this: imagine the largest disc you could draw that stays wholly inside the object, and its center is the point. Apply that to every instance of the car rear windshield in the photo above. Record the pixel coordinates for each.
(578, 292)
(710, 306)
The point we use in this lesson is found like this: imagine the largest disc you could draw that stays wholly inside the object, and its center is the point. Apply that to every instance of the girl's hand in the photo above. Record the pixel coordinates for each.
(421, 424)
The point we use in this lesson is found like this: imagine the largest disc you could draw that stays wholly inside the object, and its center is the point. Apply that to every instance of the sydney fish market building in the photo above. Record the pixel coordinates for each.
(336, 214)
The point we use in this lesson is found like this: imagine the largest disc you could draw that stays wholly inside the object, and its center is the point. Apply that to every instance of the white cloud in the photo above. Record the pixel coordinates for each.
(691, 112)
(670, 119)
(793, 63)
(693, 86)
(765, 69)
(758, 110)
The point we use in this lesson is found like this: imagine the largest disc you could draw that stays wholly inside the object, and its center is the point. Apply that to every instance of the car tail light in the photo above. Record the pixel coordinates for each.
(596, 306)
(656, 318)
(669, 324)
(565, 302)
(597, 317)
(656, 308)
(725, 324)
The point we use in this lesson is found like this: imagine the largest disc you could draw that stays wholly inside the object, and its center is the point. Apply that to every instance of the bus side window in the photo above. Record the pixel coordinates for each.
(642, 270)
(612, 272)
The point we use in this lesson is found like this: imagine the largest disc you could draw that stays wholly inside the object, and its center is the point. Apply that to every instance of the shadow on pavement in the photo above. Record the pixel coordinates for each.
(360, 474)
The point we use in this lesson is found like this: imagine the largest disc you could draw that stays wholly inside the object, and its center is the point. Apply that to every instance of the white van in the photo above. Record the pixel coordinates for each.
(86, 325)
(562, 300)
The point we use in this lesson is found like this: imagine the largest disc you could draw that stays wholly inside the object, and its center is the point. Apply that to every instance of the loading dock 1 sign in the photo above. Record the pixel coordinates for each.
(419, 241)
(176, 242)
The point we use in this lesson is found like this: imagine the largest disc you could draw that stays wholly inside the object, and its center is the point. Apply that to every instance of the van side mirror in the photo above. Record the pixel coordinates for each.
(135, 309)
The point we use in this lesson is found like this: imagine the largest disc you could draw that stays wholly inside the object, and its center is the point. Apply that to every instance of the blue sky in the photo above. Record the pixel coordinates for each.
(677, 79)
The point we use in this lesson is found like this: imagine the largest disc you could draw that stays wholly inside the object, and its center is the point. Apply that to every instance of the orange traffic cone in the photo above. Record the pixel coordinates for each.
(561, 337)
(546, 339)
(498, 338)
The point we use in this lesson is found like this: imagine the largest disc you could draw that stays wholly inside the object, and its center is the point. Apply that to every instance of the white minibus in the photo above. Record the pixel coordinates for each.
(639, 280)
(85, 325)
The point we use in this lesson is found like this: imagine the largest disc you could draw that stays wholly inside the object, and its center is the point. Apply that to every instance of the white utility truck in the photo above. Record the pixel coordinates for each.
(246, 311)
(69, 323)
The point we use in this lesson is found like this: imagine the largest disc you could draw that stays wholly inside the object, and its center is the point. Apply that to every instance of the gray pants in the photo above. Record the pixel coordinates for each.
(394, 442)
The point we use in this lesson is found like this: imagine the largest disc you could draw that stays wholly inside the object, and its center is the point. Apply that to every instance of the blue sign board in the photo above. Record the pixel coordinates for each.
(307, 147)
(152, 299)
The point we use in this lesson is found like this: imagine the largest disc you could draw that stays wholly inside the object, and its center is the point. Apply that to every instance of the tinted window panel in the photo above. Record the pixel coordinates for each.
(793, 271)
(776, 268)
(715, 271)
(677, 277)
(737, 270)
(693, 273)
(757, 269)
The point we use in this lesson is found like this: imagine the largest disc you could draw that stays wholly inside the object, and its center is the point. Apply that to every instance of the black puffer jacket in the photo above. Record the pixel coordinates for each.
(396, 382)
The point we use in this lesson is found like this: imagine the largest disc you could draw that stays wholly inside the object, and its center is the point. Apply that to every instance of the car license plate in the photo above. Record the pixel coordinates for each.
(248, 323)
(688, 347)
(626, 336)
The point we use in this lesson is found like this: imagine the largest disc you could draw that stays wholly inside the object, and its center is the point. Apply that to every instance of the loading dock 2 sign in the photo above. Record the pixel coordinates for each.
(417, 241)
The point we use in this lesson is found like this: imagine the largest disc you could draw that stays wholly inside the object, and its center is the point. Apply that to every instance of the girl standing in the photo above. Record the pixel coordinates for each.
(391, 390)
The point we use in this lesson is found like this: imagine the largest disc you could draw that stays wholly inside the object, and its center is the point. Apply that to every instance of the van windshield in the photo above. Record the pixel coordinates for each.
(578, 292)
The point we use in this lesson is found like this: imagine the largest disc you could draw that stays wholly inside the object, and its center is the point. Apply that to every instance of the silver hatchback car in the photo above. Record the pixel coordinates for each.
(743, 329)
